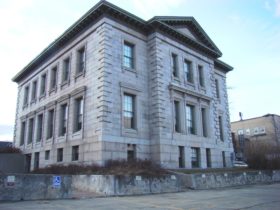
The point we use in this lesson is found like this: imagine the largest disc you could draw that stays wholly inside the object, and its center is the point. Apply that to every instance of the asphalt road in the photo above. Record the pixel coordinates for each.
(246, 197)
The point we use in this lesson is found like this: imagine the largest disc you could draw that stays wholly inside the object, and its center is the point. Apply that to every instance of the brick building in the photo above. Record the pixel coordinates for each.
(114, 86)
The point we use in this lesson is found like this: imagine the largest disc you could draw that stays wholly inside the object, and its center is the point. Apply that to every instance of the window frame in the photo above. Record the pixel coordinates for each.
(195, 163)
(75, 153)
(59, 155)
(66, 68)
(53, 78)
(132, 111)
(47, 154)
(50, 124)
(63, 119)
(81, 61)
(43, 85)
(34, 90)
(22, 132)
(201, 76)
(77, 115)
(175, 65)
(26, 96)
(221, 130)
(39, 127)
(193, 128)
(131, 57)
(30, 130)
(189, 64)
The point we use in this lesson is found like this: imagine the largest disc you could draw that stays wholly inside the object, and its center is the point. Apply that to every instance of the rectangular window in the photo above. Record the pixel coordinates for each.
(129, 111)
(34, 91)
(177, 118)
(175, 65)
(128, 55)
(50, 124)
(60, 155)
(47, 154)
(81, 64)
(131, 152)
(36, 160)
(208, 158)
(201, 76)
(26, 96)
(75, 153)
(63, 119)
(79, 111)
(204, 122)
(30, 130)
(39, 127)
(66, 70)
(217, 89)
(188, 71)
(190, 119)
(22, 133)
(53, 78)
(224, 159)
(195, 157)
(43, 84)
(181, 157)
(221, 128)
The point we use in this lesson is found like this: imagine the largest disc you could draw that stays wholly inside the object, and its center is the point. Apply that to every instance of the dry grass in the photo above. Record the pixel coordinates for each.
(261, 155)
(113, 167)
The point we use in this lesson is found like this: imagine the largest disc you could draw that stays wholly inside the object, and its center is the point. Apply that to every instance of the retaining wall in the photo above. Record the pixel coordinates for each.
(14, 187)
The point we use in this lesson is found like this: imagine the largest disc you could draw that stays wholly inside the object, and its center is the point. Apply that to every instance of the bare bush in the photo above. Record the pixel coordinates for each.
(112, 167)
(10, 150)
(262, 155)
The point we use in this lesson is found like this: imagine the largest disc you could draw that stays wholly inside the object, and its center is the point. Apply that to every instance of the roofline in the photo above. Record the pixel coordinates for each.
(222, 66)
(101, 8)
(253, 118)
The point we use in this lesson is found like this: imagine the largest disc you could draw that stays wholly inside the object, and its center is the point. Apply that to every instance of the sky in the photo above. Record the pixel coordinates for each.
(246, 31)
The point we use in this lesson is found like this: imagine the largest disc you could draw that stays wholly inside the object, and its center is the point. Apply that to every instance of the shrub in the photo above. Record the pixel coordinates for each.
(10, 150)
(113, 167)
(260, 155)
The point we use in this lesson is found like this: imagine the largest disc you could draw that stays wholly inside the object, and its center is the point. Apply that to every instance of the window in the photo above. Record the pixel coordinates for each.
(256, 131)
(22, 133)
(66, 70)
(39, 127)
(43, 84)
(188, 71)
(248, 132)
(60, 155)
(204, 122)
(195, 157)
(30, 130)
(217, 88)
(50, 124)
(53, 78)
(63, 119)
(47, 154)
(221, 128)
(75, 153)
(128, 55)
(26, 96)
(177, 118)
(129, 111)
(224, 159)
(34, 91)
(79, 111)
(208, 158)
(190, 119)
(201, 76)
(81, 64)
(181, 157)
(175, 72)
(36, 160)
(131, 152)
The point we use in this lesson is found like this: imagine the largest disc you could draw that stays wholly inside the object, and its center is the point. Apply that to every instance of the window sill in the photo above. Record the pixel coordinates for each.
(42, 96)
(53, 90)
(130, 132)
(79, 74)
(24, 106)
(33, 101)
(133, 70)
(77, 134)
(64, 83)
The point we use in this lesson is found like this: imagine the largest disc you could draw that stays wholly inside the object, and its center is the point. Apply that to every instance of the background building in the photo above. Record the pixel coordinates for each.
(114, 86)
(265, 128)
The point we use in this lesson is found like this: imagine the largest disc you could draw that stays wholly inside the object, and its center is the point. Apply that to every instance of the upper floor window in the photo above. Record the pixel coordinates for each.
(43, 84)
(26, 96)
(34, 91)
(53, 78)
(128, 55)
(129, 111)
(201, 76)
(177, 119)
(190, 119)
(63, 119)
(66, 70)
(50, 124)
(30, 130)
(175, 71)
(204, 122)
(60, 155)
(81, 63)
(217, 88)
(22, 133)
(75, 153)
(79, 111)
(188, 71)
(39, 127)
(221, 128)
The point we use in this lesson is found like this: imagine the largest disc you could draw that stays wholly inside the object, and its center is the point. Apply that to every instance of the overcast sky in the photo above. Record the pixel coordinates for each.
(246, 31)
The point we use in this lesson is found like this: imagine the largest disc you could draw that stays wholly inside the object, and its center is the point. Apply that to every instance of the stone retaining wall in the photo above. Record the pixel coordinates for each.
(14, 187)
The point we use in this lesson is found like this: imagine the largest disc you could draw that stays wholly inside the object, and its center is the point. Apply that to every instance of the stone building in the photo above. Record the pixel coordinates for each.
(265, 128)
(114, 86)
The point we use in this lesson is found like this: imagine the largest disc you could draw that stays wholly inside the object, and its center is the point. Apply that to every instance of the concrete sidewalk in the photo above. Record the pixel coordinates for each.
(247, 197)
